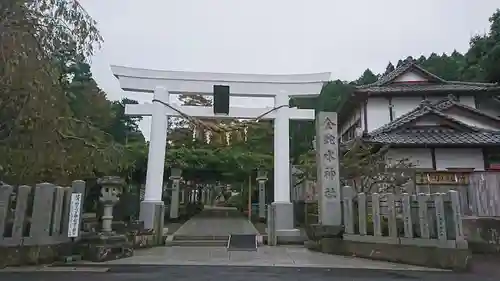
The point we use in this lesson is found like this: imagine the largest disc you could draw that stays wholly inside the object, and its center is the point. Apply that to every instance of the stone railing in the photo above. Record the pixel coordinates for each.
(36, 221)
(431, 220)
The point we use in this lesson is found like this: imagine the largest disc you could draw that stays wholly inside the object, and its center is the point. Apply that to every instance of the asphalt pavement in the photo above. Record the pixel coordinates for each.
(230, 273)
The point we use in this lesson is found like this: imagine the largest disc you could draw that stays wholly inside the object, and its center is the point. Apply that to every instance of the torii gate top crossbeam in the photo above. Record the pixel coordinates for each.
(247, 85)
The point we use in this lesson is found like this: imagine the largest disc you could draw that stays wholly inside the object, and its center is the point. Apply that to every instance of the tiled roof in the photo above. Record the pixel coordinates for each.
(397, 132)
(436, 136)
(435, 83)
(451, 101)
(425, 108)
(424, 87)
(406, 66)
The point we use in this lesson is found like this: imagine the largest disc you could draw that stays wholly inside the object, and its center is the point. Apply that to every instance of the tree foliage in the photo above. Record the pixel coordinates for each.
(213, 150)
(54, 118)
(482, 61)
(365, 167)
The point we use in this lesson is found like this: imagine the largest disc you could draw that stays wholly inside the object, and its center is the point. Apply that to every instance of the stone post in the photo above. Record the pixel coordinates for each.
(111, 189)
(327, 153)
(175, 176)
(261, 179)
(203, 196)
(209, 195)
(192, 195)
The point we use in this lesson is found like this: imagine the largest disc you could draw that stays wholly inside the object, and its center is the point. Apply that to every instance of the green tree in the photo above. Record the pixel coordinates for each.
(445, 66)
(212, 150)
(367, 77)
(41, 138)
(124, 128)
(483, 56)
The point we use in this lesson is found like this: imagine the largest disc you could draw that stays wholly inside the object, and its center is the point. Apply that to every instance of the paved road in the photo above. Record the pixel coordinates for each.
(217, 221)
(232, 273)
(286, 256)
(216, 264)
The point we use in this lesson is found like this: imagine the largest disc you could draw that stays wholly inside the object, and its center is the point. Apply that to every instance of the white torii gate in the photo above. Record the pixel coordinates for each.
(165, 83)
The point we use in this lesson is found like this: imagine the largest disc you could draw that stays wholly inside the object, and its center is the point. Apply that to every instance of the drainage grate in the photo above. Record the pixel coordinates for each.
(242, 242)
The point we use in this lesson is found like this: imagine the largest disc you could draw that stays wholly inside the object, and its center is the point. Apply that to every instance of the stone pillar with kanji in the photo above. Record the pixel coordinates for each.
(327, 159)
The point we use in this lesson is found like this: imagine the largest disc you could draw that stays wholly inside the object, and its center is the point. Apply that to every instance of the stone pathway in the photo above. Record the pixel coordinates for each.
(282, 256)
(217, 221)
(223, 221)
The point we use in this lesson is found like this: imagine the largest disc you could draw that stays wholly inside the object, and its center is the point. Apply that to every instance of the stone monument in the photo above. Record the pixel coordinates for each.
(328, 180)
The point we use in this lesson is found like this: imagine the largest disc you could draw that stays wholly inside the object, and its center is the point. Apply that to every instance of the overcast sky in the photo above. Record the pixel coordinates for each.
(277, 36)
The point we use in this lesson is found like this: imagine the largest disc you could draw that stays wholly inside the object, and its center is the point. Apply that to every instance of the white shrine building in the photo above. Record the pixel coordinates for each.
(166, 83)
(438, 125)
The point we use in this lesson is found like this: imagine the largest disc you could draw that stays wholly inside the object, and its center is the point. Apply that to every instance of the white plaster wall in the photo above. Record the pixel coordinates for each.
(377, 111)
(402, 105)
(468, 100)
(410, 77)
(459, 158)
(429, 120)
(490, 107)
(445, 157)
(473, 122)
(420, 157)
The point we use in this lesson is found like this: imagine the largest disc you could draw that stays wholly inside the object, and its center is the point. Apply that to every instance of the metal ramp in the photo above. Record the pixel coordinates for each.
(242, 242)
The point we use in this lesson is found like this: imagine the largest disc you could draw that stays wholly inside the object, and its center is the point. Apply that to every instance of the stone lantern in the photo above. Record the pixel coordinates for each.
(261, 179)
(111, 189)
(107, 244)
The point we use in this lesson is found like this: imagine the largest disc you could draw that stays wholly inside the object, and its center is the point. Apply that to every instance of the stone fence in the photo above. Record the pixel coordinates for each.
(35, 221)
(432, 220)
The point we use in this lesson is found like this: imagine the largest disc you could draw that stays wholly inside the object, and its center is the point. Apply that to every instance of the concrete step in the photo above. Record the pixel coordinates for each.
(197, 243)
(201, 237)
